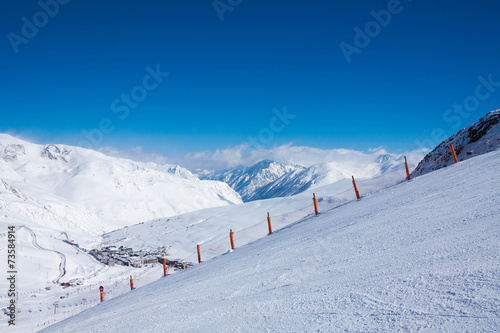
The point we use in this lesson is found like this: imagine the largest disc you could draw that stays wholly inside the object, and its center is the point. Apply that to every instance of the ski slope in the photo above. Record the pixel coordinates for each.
(420, 255)
(210, 227)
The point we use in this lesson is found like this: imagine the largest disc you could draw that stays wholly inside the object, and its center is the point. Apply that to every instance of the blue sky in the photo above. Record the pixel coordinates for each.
(227, 76)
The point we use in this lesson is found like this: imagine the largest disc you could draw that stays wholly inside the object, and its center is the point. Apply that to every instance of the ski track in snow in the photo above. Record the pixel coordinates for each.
(62, 264)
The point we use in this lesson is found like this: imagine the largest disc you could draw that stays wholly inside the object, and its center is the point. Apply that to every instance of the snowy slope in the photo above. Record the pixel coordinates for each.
(119, 192)
(421, 255)
(269, 179)
(210, 227)
(477, 139)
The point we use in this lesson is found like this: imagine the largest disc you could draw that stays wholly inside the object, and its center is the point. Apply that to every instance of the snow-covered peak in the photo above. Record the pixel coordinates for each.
(55, 152)
(248, 180)
(12, 151)
(270, 179)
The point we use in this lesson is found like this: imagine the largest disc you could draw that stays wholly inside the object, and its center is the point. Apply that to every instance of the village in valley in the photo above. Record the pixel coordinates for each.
(126, 256)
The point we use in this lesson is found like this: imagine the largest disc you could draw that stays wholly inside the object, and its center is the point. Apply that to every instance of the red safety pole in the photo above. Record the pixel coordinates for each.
(453, 153)
(199, 254)
(355, 188)
(407, 170)
(164, 266)
(131, 283)
(101, 289)
(315, 204)
(269, 224)
(231, 237)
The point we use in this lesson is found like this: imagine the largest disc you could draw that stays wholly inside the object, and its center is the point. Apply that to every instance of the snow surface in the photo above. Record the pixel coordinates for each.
(421, 255)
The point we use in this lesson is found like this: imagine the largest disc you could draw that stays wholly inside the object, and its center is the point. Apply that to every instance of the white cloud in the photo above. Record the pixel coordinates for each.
(243, 155)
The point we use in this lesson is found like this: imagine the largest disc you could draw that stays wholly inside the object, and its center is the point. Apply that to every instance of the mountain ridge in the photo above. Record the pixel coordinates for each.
(116, 191)
(481, 137)
(271, 179)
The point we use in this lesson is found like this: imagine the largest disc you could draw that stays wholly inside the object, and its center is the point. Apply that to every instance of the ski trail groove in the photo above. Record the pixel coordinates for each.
(62, 264)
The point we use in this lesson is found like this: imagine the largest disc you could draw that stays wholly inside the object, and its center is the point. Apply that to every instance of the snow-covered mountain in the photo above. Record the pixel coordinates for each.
(248, 180)
(479, 138)
(321, 174)
(270, 179)
(95, 192)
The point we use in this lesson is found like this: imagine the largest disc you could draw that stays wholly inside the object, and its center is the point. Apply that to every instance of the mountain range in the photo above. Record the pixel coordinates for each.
(270, 179)
(74, 188)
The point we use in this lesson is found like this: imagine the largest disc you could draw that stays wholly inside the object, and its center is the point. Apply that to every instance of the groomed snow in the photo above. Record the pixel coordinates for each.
(421, 255)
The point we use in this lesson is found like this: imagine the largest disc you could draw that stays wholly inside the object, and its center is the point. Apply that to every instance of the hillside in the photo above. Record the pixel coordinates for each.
(73, 188)
(421, 255)
(479, 138)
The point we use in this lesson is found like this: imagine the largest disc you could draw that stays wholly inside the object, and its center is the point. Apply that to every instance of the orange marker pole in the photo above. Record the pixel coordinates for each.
(315, 204)
(407, 170)
(164, 266)
(453, 153)
(355, 188)
(199, 254)
(101, 289)
(269, 224)
(131, 283)
(231, 237)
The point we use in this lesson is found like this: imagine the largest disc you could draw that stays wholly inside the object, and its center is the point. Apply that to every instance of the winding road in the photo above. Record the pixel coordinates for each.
(62, 264)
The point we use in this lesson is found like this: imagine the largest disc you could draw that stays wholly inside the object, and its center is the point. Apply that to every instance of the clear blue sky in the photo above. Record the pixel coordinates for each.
(226, 76)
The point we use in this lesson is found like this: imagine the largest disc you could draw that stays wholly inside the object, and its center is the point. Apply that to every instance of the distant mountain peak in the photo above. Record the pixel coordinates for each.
(12, 151)
(248, 180)
(55, 152)
(383, 158)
